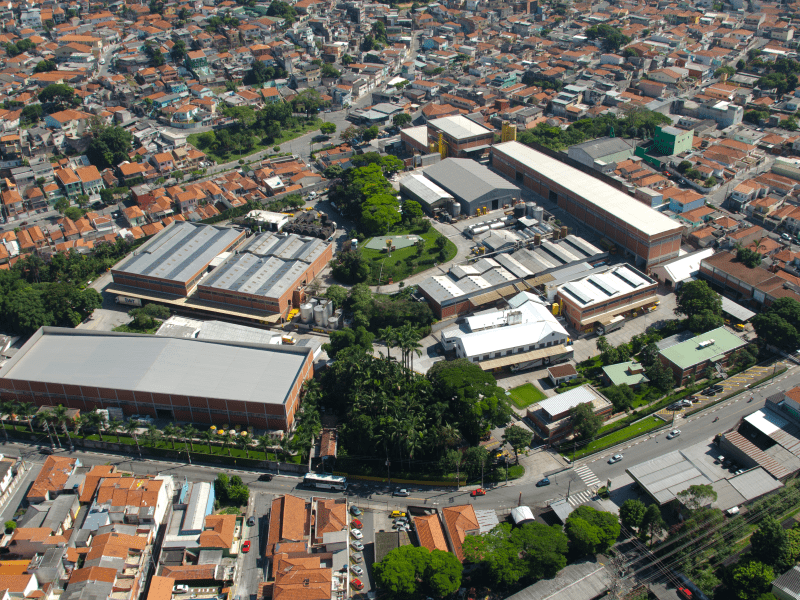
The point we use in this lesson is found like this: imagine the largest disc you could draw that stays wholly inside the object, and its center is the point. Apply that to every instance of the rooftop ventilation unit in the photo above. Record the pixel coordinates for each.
(706, 343)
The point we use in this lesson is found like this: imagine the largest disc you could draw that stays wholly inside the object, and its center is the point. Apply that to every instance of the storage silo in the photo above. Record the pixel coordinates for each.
(333, 322)
(538, 213)
(537, 239)
(529, 208)
(328, 309)
(455, 209)
(564, 231)
(306, 312)
(519, 210)
(319, 316)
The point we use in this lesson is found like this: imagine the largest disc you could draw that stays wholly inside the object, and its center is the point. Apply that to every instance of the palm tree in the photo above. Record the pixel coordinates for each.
(284, 444)
(171, 432)
(387, 334)
(60, 418)
(25, 411)
(152, 435)
(208, 436)
(244, 442)
(226, 442)
(96, 420)
(114, 426)
(132, 429)
(189, 433)
(265, 443)
(8, 408)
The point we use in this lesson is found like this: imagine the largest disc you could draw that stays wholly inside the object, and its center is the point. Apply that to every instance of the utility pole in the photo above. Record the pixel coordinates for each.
(506, 470)
(569, 485)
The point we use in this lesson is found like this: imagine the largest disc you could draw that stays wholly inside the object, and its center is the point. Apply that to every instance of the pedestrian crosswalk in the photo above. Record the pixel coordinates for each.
(586, 475)
(581, 497)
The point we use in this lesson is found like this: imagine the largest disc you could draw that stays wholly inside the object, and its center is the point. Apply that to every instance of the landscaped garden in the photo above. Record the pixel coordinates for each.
(525, 395)
(431, 248)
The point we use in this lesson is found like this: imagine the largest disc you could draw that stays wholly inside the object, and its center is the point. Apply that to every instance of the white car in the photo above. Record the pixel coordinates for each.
(357, 570)
(614, 459)
(102, 61)
(785, 236)
(356, 533)
(673, 434)
(181, 589)
(357, 546)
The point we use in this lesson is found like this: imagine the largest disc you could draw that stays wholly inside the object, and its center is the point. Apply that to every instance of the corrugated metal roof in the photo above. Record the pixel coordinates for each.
(690, 352)
(165, 365)
(561, 403)
(468, 180)
(514, 359)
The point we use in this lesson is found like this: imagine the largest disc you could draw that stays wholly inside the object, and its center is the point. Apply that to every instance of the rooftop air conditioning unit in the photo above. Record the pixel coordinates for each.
(706, 343)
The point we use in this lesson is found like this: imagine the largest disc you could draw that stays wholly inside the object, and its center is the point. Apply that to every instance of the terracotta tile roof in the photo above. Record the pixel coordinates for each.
(15, 584)
(287, 520)
(331, 516)
(106, 574)
(460, 520)
(189, 572)
(52, 477)
(430, 532)
(218, 532)
(161, 588)
(129, 491)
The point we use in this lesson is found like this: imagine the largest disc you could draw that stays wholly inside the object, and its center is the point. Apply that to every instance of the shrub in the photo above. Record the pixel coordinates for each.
(276, 148)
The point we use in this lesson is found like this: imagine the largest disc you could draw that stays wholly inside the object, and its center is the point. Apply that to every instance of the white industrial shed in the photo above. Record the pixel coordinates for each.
(424, 191)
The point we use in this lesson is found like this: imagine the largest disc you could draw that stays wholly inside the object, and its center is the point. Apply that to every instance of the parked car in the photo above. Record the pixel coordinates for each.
(265, 477)
(356, 533)
(356, 556)
(478, 492)
(357, 570)
(355, 511)
(396, 513)
(181, 588)
(402, 492)
(45, 450)
(356, 524)
(673, 434)
(251, 521)
(785, 236)
(246, 546)
(543, 482)
(357, 546)
(615, 459)
(356, 583)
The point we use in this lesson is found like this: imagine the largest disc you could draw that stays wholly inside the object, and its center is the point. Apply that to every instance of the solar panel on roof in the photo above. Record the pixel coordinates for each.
(606, 287)
(629, 277)
(583, 298)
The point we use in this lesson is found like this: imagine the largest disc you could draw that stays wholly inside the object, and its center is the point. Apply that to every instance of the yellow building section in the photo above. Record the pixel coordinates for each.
(13, 567)
(509, 132)
(442, 147)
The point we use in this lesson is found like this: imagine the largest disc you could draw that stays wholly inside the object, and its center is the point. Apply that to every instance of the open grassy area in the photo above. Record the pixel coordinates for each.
(287, 135)
(525, 395)
(405, 261)
(128, 329)
(621, 435)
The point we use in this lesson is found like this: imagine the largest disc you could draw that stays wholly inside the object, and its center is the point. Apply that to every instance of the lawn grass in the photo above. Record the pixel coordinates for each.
(525, 395)
(621, 435)
(405, 262)
(287, 136)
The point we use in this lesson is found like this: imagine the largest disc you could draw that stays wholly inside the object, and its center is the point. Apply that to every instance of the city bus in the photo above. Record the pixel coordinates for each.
(325, 482)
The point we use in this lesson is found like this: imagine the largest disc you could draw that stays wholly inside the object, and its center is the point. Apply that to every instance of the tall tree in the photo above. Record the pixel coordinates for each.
(697, 296)
(584, 420)
(518, 438)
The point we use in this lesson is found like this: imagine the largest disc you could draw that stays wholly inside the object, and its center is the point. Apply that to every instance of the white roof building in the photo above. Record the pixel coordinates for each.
(682, 269)
(514, 332)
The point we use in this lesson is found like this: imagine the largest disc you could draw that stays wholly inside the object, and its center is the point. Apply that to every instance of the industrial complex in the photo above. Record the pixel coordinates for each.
(647, 234)
(199, 381)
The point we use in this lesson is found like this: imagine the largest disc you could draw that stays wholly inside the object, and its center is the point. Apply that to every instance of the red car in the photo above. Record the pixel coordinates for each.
(478, 492)
(246, 546)
(685, 593)
(356, 523)
(356, 583)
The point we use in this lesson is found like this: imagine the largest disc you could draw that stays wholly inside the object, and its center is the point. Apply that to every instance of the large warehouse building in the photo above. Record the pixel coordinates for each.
(199, 381)
(473, 185)
(268, 274)
(429, 195)
(176, 258)
(650, 236)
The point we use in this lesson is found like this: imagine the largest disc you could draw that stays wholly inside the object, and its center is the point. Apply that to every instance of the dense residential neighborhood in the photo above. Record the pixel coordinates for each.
(310, 300)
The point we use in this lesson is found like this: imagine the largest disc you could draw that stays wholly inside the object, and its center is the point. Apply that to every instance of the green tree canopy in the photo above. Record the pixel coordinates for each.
(591, 531)
(696, 496)
(770, 542)
(401, 119)
(631, 513)
(584, 421)
(518, 438)
(697, 296)
(779, 324)
(110, 147)
(379, 213)
(621, 396)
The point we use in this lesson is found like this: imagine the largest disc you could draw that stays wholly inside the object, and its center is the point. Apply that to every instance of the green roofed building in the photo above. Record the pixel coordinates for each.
(693, 356)
(629, 373)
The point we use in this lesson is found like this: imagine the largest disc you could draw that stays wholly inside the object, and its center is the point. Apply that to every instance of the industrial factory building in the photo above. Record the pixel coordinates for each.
(198, 381)
(473, 185)
(268, 274)
(523, 335)
(488, 280)
(431, 197)
(650, 236)
(176, 258)
(598, 299)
